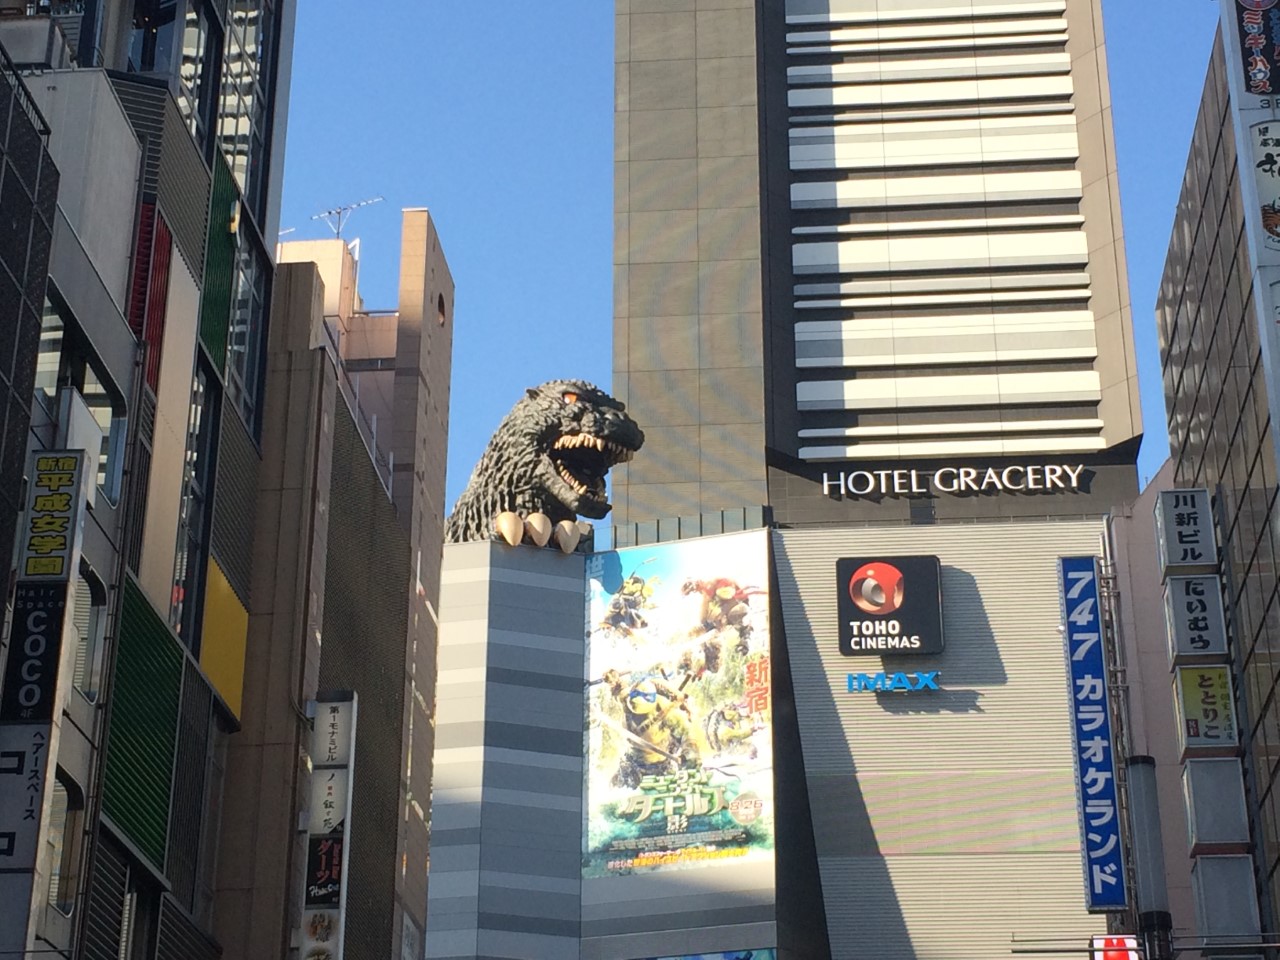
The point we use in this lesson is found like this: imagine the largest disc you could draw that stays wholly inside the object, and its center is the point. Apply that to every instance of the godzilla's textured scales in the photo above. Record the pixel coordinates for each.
(549, 455)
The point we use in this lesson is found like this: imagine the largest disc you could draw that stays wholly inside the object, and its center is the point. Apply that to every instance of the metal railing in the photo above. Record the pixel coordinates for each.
(383, 461)
(23, 95)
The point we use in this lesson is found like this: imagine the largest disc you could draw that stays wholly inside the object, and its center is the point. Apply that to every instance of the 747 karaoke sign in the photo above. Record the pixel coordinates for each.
(1094, 754)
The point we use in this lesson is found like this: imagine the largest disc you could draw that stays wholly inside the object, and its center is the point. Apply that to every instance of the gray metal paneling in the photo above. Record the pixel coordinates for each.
(144, 105)
(235, 503)
(949, 817)
(508, 787)
(183, 185)
(172, 169)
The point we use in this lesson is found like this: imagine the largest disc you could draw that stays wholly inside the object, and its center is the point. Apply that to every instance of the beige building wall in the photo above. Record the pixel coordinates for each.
(945, 821)
(419, 438)
(1151, 718)
(169, 442)
(395, 370)
(258, 899)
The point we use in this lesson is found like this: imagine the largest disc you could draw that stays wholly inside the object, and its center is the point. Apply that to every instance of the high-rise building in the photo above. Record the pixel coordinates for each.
(870, 291)
(27, 227)
(378, 530)
(166, 121)
(1218, 346)
(859, 238)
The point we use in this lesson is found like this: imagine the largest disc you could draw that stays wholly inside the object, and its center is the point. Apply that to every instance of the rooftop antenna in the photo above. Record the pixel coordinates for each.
(337, 217)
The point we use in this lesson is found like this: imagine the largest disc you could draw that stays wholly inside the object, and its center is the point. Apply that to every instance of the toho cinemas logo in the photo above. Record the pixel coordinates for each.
(889, 605)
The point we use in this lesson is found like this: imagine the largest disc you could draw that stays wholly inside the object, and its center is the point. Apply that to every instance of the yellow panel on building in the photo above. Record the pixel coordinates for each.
(224, 638)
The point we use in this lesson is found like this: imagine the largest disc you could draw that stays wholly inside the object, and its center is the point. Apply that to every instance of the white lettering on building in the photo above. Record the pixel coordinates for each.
(960, 481)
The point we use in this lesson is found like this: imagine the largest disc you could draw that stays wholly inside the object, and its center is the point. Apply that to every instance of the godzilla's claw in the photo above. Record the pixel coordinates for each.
(510, 527)
(538, 528)
(567, 535)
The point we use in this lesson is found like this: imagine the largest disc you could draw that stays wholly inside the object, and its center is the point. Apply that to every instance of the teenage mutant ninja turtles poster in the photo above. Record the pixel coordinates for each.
(679, 744)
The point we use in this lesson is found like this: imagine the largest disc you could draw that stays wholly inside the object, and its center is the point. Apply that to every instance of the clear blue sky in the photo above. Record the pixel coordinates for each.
(499, 118)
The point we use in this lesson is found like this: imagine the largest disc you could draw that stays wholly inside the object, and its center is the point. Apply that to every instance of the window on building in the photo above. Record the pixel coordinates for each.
(198, 72)
(89, 615)
(153, 37)
(66, 359)
(194, 515)
(64, 835)
(248, 68)
(49, 358)
(246, 343)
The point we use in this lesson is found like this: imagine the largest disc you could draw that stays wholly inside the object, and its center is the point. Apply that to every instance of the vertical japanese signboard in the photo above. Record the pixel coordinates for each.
(30, 692)
(1094, 751)
(1265, 138)
(1258, 33)
(325, 892)
(1194, 618)
(1206, 709)
(1184, 532)
(679, 770)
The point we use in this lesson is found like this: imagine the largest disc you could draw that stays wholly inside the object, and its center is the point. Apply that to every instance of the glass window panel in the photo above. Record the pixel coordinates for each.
(49, 357)
(151, 40)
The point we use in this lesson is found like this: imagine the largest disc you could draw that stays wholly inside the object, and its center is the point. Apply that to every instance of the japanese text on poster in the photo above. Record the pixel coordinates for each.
(1096, 795)
(1206, 708)
(325, 893)
(680, 761)
(1265, 138)
(1194, 617)
(50, 526)
(1184, 531)
(1258, 23)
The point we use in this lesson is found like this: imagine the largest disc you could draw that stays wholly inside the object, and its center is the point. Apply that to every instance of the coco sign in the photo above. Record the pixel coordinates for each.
(889, 605)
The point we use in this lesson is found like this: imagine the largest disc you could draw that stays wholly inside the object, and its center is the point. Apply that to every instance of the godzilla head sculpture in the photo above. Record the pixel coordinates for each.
(549, 456)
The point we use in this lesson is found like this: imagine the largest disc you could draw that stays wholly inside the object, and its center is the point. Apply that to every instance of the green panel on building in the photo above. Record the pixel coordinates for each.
(143, 730)
(219, 266)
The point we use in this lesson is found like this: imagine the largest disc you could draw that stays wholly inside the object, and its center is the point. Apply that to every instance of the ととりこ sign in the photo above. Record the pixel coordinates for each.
(1097, 799)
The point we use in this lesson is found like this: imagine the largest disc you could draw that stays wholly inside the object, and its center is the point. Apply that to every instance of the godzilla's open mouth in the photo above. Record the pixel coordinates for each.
(581, 462)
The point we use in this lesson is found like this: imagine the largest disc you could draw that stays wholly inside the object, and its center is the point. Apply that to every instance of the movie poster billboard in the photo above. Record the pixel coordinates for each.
(679, 738)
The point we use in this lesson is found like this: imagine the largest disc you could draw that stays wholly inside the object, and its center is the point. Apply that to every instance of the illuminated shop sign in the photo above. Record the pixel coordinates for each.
(957, 481)
(878, 682)
(889, 605)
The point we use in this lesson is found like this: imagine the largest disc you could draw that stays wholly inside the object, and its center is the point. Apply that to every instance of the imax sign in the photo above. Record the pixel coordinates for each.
(862, 682)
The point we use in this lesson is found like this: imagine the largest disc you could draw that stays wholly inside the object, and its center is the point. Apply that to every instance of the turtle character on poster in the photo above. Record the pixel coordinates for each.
(679, 746)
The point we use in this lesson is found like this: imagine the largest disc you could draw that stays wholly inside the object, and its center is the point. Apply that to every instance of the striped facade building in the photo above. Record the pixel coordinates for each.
(872, 233)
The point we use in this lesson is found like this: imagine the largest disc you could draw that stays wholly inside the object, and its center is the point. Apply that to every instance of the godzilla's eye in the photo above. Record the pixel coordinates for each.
(570, 398)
